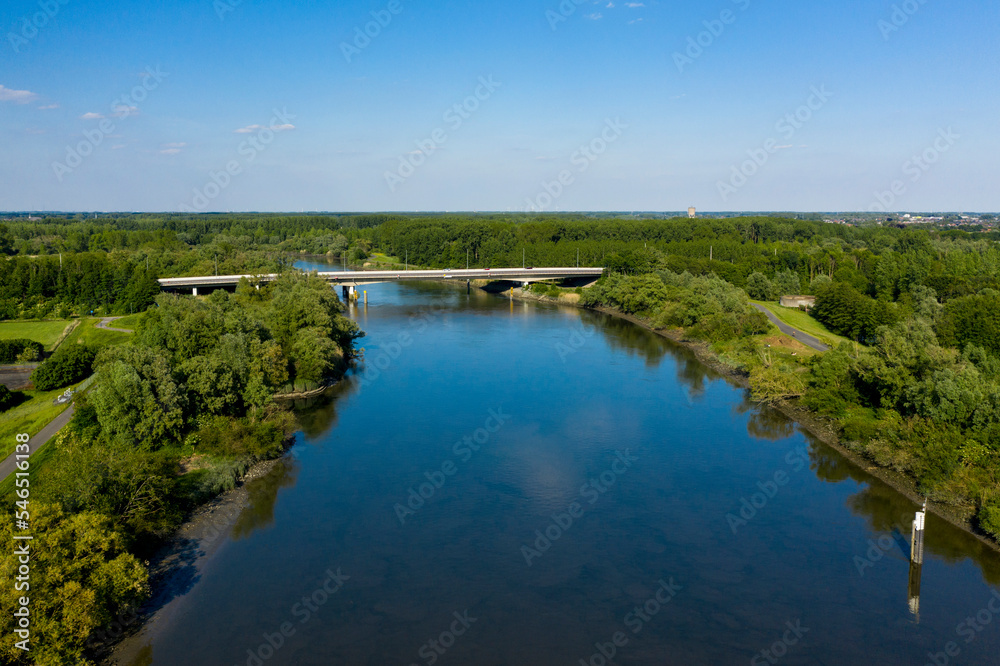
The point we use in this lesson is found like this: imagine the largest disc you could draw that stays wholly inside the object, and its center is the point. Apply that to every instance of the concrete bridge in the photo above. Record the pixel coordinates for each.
(356, 278)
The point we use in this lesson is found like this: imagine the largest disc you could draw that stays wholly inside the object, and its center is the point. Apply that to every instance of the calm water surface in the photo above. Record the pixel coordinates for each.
(515, 420)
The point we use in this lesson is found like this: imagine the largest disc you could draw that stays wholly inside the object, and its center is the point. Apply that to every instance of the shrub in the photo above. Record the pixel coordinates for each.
(68, 365)
(258, 440)
(13, 351)
(6, 398)
(989, 517)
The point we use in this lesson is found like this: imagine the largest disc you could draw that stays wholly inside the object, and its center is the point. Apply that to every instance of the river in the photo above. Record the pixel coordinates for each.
(522, 483)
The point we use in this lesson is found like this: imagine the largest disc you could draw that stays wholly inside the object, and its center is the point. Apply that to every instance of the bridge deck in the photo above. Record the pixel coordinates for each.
(370, 277)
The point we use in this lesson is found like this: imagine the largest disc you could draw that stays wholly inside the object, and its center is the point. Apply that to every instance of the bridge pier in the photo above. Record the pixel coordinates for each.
(194, 291)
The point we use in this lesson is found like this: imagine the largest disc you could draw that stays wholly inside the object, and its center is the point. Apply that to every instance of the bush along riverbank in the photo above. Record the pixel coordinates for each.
(177, 416)
(925, 413)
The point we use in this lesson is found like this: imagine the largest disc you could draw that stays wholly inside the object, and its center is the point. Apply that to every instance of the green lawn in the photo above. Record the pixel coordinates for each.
(45, 332)
(37, 459)
(88, 332)
(804, 322)
(385, 261)
(130, 322)
(30, 417)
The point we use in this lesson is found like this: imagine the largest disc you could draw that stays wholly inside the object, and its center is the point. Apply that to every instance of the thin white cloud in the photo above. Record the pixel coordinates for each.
(633, 5)
(172, 148)
(610, 5)
(117, 146)
(48, 106)
(634, 21)
(250, 129)
(123, 111)
(595, 16)
(90, 115)
(16, 96)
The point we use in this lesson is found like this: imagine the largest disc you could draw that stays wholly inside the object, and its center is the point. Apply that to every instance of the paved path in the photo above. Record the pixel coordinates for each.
(104, 324)
(45, 434)
(801, 336)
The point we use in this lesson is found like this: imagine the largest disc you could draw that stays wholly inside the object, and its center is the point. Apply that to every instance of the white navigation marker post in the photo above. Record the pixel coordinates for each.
(917, 536)
(916, 561)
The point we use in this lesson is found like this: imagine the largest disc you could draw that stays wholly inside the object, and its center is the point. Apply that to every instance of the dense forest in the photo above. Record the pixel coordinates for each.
(915, 387)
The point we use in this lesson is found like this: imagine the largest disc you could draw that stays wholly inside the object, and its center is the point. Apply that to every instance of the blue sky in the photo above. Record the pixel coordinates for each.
(609, 105)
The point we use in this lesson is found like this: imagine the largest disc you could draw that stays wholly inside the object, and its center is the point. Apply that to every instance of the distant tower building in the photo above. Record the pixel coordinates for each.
(691, 212)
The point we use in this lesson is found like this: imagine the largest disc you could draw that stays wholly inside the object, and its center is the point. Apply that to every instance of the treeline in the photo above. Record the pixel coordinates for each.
(75, 284)
(168, 232)
(175, 416)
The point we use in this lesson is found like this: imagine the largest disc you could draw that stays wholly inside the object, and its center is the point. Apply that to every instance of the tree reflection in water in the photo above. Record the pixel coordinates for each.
(889, 512)
(263, 493)
(316, 416)
(764, 422)
(885, 510)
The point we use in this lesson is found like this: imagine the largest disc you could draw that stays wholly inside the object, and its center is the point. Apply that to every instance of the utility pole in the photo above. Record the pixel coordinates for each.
(466, 258)
(522, 259)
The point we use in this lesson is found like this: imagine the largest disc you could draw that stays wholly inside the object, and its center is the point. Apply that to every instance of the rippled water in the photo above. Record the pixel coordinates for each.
(576, 475)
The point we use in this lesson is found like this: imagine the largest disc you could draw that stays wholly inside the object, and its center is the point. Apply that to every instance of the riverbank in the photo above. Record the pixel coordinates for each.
(174, 570)
(824, 429)
(182, 560)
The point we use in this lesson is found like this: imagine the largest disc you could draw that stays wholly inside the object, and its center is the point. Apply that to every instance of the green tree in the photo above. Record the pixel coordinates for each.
(759, 287)
(81, 577)
(70, 364)
(787, 283)
(137, 399)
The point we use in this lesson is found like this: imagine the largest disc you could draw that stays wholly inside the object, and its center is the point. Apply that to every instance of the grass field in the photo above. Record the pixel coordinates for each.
(37, 459)
(130, 322)
(45, 332)
(804, 322)
(381, 260)
(88, 332)
(30, 417)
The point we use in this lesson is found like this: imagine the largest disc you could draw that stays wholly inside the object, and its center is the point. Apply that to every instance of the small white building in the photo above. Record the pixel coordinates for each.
(798, 301)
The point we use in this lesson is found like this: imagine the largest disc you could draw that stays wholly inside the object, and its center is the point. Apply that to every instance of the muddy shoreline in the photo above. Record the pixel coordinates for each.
(822, 428)
(176, 567)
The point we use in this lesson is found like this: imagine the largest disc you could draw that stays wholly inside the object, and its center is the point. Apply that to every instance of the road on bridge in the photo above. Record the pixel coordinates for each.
(371, 277)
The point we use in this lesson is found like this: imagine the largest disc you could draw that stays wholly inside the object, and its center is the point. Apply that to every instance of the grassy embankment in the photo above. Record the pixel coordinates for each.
(804, 322)
(383, 261)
